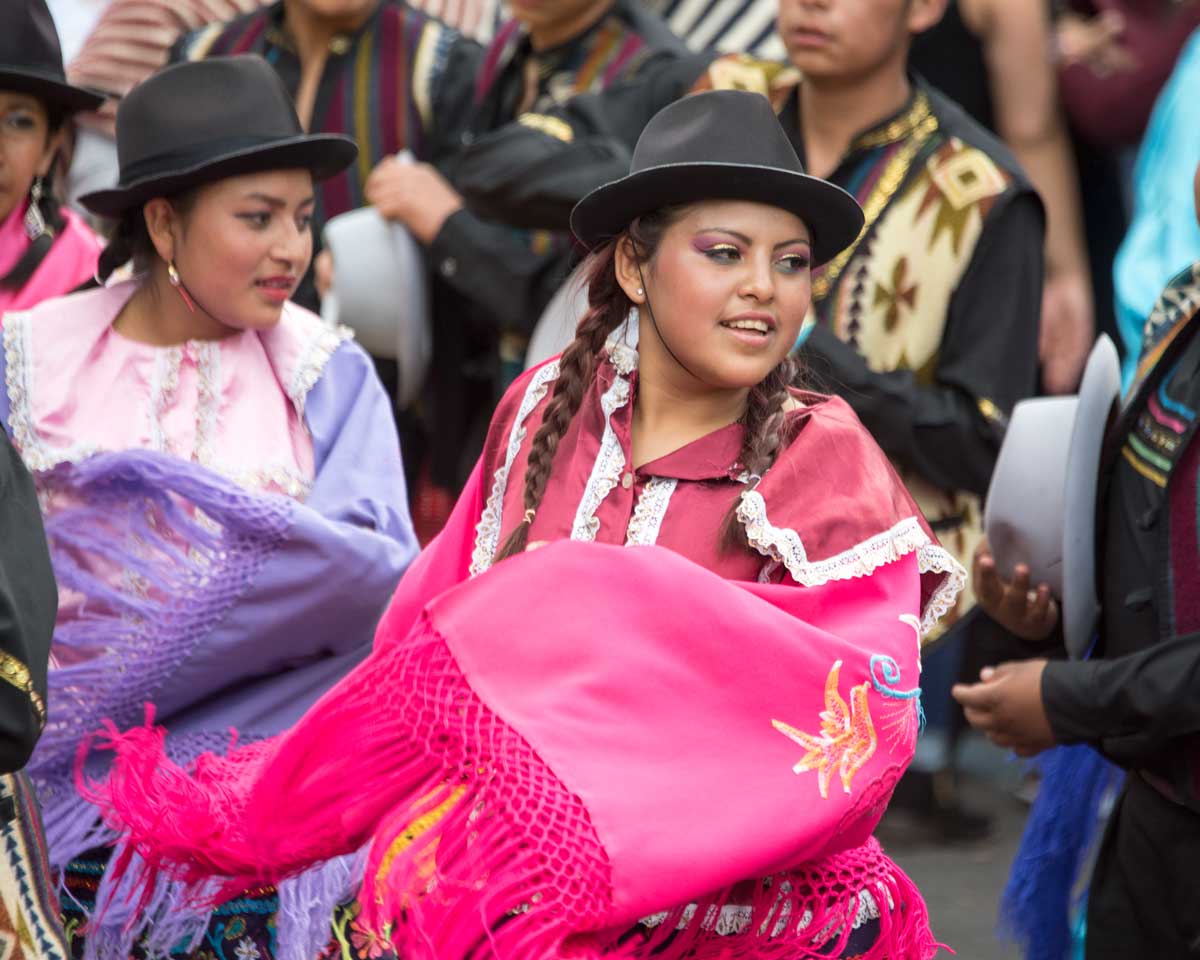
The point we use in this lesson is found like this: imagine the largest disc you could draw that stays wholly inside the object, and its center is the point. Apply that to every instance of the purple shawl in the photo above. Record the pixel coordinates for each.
(232, 609)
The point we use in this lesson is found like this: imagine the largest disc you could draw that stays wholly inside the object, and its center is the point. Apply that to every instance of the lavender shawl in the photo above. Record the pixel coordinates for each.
(236, 609)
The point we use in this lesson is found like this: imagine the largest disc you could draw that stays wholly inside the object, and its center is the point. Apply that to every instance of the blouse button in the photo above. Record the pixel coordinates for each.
(627, 480)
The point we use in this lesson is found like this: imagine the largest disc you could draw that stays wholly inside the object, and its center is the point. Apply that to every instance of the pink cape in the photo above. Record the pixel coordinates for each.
(71, 260)
(581, 738)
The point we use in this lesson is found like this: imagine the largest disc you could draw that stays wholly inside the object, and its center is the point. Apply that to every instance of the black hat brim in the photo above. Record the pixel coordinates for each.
(50, 90)
(323, 154)
(833, 217)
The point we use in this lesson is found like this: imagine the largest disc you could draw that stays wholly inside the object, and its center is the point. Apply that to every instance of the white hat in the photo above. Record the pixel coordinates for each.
(381, 291)
(1041, 505)
(555, 328)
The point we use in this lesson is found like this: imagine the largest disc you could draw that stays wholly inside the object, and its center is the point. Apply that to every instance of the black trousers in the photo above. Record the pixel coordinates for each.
(1145, 894)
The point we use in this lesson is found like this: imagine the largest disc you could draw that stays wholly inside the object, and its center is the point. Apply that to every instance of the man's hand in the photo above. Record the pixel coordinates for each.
(1007, 706)
(413, 194)
(1067, 332)
(1030, 614)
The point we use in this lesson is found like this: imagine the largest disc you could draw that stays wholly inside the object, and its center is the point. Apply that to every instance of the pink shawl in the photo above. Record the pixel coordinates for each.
(71, 260)
(546, 756)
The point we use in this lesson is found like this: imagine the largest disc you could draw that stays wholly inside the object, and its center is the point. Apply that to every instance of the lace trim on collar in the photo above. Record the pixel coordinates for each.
(313, 360)
(606, 470)
(487, 531)
(648, 514)
(784, 545)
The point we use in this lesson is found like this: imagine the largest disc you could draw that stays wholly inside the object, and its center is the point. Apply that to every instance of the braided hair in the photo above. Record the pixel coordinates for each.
(51, 209)
(608, 306)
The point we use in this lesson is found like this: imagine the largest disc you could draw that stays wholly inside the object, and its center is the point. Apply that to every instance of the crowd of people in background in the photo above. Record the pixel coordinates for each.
(227, 490)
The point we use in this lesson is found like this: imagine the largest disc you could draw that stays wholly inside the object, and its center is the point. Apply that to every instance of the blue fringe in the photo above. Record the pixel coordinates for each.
(1041, 895)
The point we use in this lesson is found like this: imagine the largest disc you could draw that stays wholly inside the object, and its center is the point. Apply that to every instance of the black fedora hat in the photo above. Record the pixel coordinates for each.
(720, 145)
(196, 123)
(31, 58)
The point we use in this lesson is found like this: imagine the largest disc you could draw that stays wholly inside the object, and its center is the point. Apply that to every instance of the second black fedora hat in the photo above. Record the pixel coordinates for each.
(31, 58)
(720, 145)
(196, 123)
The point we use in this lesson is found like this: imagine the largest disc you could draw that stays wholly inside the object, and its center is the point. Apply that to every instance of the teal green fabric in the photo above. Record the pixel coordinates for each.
(1164, 236)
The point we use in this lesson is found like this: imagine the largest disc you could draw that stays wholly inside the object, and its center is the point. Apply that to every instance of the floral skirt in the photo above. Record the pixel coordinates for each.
(240, 929)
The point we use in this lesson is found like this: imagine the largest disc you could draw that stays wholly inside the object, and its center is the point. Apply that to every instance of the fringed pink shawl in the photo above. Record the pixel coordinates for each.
(587, 751)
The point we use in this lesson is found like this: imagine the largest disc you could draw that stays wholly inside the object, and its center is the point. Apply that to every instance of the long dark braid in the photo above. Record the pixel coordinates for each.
(607, 307)
(765, 421)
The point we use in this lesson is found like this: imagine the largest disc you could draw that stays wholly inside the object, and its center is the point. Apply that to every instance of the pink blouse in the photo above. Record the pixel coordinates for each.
(76, 386)
(70, 262)
(830, 508)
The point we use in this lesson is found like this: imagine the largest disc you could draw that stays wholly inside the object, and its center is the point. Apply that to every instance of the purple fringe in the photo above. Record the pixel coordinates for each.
(160, 549)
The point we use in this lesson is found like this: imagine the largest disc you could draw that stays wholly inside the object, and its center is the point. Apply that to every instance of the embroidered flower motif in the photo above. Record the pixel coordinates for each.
(847, 739)
(366, 943)
(247, 949)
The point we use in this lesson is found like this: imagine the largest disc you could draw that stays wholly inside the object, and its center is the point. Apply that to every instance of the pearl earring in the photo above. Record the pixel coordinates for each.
(641, 292)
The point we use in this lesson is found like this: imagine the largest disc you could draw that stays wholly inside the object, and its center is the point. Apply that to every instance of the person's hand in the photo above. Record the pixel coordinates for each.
(1067, 332)
(1094, 41)
(413, 194)
(1030, 614)
(323, 273)
(1007, 706)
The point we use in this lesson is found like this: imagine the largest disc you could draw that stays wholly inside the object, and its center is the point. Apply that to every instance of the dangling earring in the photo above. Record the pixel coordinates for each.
(173, 277)
(35, 222)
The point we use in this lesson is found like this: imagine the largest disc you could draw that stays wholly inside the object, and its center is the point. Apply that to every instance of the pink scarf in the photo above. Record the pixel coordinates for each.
(583, 737)
(71, 260)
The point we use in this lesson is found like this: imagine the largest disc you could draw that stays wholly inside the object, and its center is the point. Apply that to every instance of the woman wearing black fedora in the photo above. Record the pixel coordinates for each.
(45, 249)
(220, 478)
(588, 751)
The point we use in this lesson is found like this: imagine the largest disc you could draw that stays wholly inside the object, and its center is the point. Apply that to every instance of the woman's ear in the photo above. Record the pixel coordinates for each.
(162, 225)
(629, 270)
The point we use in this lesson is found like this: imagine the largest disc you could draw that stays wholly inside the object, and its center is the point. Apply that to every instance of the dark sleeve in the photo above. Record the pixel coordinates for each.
(949, 431)
(500, 268)
(28, 606)
(533, 171)
(1129, 708)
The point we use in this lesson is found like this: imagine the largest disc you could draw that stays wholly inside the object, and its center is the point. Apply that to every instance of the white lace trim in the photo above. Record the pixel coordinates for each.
(18, 335)
(164, 382)
(606, 470)
(208, 400)
(487, 531)
(312, 362)
(648, 514)
(861, 560)
(932, 558)
(278, 479)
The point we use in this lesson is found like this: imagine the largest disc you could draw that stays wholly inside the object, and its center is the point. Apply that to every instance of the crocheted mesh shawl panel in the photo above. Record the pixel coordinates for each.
(160, 549)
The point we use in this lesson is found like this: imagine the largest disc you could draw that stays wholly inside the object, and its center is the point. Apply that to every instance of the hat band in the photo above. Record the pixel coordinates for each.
(189, 158)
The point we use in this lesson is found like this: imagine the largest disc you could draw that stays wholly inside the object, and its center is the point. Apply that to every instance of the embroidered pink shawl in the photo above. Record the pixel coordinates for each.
(70, 262)
(581, 739)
